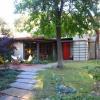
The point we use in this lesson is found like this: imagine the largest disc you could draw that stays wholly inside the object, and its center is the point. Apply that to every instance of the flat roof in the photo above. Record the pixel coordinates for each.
(40, 39)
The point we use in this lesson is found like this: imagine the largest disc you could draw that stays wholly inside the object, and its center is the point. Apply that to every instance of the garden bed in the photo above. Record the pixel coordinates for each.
(7, 76)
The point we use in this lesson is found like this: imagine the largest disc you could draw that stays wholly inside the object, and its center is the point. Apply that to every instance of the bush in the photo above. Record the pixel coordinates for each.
(6, 48)
(1, 60)
(95, 73)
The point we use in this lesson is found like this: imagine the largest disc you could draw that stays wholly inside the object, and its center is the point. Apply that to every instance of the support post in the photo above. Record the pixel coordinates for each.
(38, 51)
(54, 55)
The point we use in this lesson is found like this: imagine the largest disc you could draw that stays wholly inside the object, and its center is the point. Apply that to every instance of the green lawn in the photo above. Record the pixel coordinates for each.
(74, 74)
(7, 76)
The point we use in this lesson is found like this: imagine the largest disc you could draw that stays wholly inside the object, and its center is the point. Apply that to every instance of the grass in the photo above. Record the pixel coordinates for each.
(7, 76)
(74, 74)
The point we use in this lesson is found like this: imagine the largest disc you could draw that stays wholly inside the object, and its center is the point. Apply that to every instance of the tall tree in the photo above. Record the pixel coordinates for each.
(50, 12)
(60, 17)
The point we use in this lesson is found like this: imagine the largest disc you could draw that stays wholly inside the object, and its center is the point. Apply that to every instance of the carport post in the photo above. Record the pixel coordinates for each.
(38, 51)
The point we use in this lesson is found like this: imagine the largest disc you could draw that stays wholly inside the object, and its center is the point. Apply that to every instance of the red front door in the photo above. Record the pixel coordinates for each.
(66, 50)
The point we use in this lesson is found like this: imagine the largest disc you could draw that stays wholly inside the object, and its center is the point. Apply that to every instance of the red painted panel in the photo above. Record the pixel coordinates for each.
(66, 50)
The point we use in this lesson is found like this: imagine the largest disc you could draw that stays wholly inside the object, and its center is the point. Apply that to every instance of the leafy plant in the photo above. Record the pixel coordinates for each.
(6, 48)
(95, 72)
(1, 60)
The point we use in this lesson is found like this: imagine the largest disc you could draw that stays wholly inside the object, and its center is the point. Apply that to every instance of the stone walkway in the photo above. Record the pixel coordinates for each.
(23, 87)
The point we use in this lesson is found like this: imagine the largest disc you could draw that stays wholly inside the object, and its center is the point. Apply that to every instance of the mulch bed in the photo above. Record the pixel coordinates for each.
(26, 64)
(20, 65)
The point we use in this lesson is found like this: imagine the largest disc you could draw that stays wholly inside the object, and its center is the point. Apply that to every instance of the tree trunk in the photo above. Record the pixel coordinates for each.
(59, 52)
(59, 44)
(58, 14)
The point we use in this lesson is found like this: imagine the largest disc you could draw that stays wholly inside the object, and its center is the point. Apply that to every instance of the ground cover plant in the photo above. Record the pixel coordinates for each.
(7, 76)
(75, 74)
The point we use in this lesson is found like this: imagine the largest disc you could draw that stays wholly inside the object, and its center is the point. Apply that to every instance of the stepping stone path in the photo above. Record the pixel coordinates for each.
(26, 77)
(29, 81)
(23, 87)
(19, 93)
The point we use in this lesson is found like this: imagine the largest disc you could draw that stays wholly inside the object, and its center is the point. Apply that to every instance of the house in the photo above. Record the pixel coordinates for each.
(42, 48)
(77, 48)
(73, 49)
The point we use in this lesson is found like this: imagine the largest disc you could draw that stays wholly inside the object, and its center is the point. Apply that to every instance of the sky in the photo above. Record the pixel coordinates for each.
(7, 10)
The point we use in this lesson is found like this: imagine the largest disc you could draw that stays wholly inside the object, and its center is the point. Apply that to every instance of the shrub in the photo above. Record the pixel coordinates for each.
(6, 48)
(95, 73)
(1, 60)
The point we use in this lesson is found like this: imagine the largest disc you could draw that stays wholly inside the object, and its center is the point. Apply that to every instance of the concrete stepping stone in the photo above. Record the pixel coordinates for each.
(37, 69)
(34, 70)
(30, 70)
(26, 76)
(29, 81)
(19, 85)
(24, 94)
(28, 73)
(6, 97)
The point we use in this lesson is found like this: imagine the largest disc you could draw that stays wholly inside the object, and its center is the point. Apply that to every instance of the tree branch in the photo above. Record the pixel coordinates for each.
(89, 13)
(62, 5)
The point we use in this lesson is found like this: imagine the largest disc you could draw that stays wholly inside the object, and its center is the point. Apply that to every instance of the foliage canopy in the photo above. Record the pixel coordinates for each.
(4, 28)
(77, 16)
